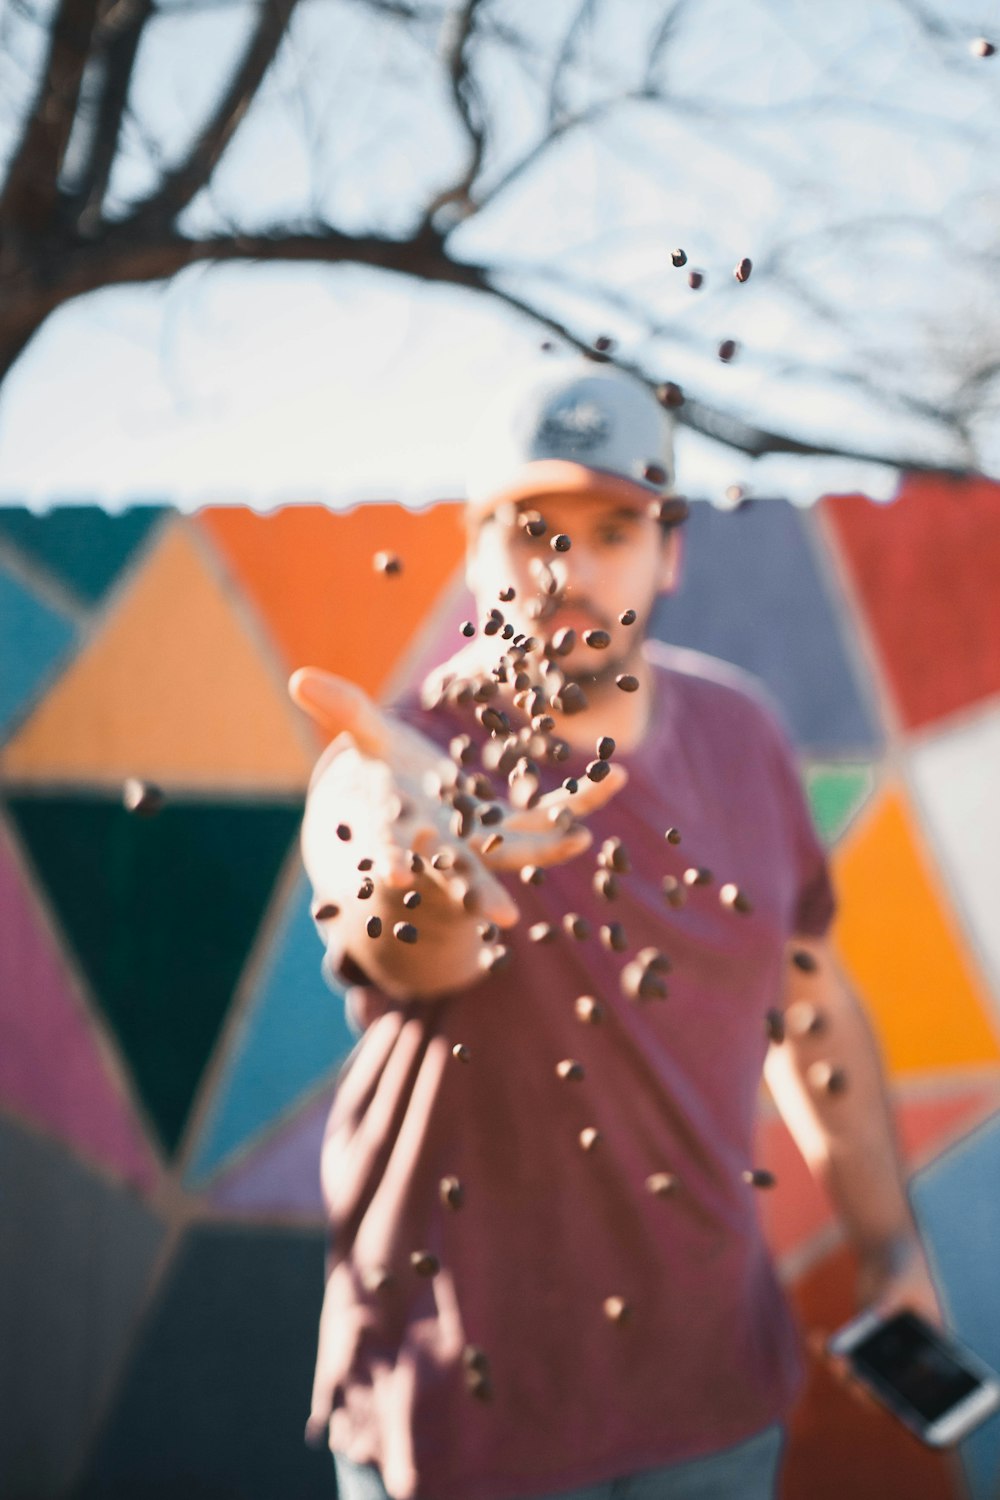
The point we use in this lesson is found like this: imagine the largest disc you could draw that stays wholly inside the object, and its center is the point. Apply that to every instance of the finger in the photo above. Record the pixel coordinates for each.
(546, 847)
(587, 799)
(338, 706)
(476, 888)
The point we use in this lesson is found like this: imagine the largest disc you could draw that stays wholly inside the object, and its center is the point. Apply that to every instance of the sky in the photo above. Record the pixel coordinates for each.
(782, 131)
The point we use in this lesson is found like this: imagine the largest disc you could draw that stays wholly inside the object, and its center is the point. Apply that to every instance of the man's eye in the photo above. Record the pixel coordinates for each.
(612, 536)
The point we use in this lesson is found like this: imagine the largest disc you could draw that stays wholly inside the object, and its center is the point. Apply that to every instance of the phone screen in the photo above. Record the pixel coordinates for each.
(905, 1354)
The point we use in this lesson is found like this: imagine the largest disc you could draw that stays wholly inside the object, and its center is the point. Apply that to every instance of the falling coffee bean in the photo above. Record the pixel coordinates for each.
(325, 912)
(697, 875)
(730, 895)
(981, 47)
(373, 927)
(560, 543)
(803, 1019)
(365, 864)
(627, 682)
(613, 937)
(669, 394)
(366, 888)
(774, 1025)
(588, 1010)
(673, 890)
(564, 640)
(826, 1078)
(672, 836)
(743, 268)
(605, 747)
(343, 832)
(661, 1184)
(695, 279)
(541, 932)
(388, 563)
(678, 258)
(759, 1177)
(617, 1311)
(655, 474)
(405, 932)
(142, 798)
(597, 770)
(803, 959)
(411, 899)
(424, 1263)
(506, 595)
(597, 640)
(376, 1279)
(606, 884)
(627, 617)
(571, 785)
(570, 1071)
(727, 350)
(461, 1053)
(589, 1137)
(468, 629)
(452, 1192)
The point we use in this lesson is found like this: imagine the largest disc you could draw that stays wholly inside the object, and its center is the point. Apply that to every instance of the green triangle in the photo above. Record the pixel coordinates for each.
(81, 545)
(161, 912)
(836, 794)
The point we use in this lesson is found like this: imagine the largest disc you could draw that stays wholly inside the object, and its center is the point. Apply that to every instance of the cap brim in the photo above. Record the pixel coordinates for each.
(559, 476)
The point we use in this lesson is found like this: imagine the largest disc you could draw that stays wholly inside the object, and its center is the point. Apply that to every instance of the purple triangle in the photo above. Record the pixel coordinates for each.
(53, 1072)
(282, 1174)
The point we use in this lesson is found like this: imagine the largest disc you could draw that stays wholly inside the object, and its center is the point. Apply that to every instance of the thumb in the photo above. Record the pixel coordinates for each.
(339, 706)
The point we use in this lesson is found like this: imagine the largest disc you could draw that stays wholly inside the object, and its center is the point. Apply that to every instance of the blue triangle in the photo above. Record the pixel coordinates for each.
(293, 1034)
(81, 545)
(957, 1204)
(33, 639)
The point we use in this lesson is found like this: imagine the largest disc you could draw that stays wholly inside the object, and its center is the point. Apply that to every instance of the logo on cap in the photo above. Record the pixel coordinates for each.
(577, 426)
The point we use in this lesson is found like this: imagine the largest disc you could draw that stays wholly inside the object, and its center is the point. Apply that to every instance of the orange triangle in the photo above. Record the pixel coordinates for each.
(310, 573)
(171, 688)
(902, 947)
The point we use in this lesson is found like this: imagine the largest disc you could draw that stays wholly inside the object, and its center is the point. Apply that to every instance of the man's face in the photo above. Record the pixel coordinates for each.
(619, 559)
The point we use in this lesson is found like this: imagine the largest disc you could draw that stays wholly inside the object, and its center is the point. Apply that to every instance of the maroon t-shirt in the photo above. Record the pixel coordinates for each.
(548, 1231)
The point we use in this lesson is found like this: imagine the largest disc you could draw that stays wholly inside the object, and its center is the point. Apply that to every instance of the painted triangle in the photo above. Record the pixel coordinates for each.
(281, 1174)
(56, 1071)
(33, 639)
(160, 913)
(836, 795)
(171, 688)
(82, 546)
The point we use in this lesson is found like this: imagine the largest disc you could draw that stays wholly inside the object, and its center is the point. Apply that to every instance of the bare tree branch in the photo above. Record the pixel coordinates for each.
(123, 30)
(181, 184)
(467, 103)
(31, 192)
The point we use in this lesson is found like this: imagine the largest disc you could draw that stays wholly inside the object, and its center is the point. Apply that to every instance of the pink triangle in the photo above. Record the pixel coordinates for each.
(282, 1174)
(798, 1209)
(52, 1072)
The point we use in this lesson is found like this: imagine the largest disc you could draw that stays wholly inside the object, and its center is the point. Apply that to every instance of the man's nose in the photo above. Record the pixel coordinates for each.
(574, 571)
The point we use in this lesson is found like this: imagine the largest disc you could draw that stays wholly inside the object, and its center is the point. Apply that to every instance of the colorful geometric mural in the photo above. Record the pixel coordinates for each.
(168, 1045)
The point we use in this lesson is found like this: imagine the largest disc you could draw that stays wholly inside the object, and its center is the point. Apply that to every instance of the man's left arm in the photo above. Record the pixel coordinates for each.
(827, 1081)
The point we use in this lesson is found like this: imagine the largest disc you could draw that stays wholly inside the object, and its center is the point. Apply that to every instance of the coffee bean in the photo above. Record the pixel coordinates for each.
(376, 1279)
(366, 888)
(452, 1192)
(588, 1010)
(531, 875)
(570, 700)
(803, 959)
(493, 719)
(570, 1071)
(727, 350)
(743, 269)
(640, 983)
(411, 899)
(416, 863)
(597, 640)
(541, 932)
(604, 344)
(678, 258)
(533, 523)
(488, 932)
(826, 1078)
(493, 842)
(671, 511)
(617, 1311)
(467, 628)
(803, 1019)
(596, 770)
(627, 682)
(661, 1184)
(981, 47)
(606, 884)
(730, 895)
(387, 563)
(673, 891)
(474, 1358)
(374, 927)
(589, 1137)
(405, 932)
(697, 875)
(627, 617)
(654, 473)
(615, 856)
(774, 1024)
(759, 1177)
(571, 785)
(613, 937)
(365, 864)
(576, 926)
(142, 798)
(605, 747)
(491, 627)
(461, 1053)
(564, 640)
(695, 279)
(492, 960)
(669, 394)
(479, 1384)
(653, 960)
(506, 595)
(560, 543)
(491, 815)
(343, 832)
(325, 912)
(672, 836)
(424, 1263)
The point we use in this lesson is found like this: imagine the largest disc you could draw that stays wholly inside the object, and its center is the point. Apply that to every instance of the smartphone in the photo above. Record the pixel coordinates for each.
(926, 1378)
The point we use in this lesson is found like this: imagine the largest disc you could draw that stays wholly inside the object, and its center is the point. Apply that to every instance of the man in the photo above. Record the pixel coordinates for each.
(547, 1274)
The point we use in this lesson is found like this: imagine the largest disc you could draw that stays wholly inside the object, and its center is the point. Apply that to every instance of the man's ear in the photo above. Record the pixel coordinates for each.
(671, 558)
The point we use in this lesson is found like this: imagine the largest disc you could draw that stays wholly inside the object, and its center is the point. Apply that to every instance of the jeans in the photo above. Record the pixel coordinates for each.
(747, 1472)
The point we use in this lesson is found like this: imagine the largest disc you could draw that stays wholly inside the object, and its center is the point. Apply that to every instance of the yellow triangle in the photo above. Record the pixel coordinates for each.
(171, 688)
(901, 946)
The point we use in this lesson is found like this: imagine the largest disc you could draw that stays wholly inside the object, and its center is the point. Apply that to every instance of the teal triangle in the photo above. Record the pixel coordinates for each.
(33, 640)
(161, 912)
(293, 1034)
(81, 545)
(836, 795)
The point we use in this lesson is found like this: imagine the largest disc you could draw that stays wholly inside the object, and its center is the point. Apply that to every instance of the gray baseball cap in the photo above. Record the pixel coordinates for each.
(570, 429)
